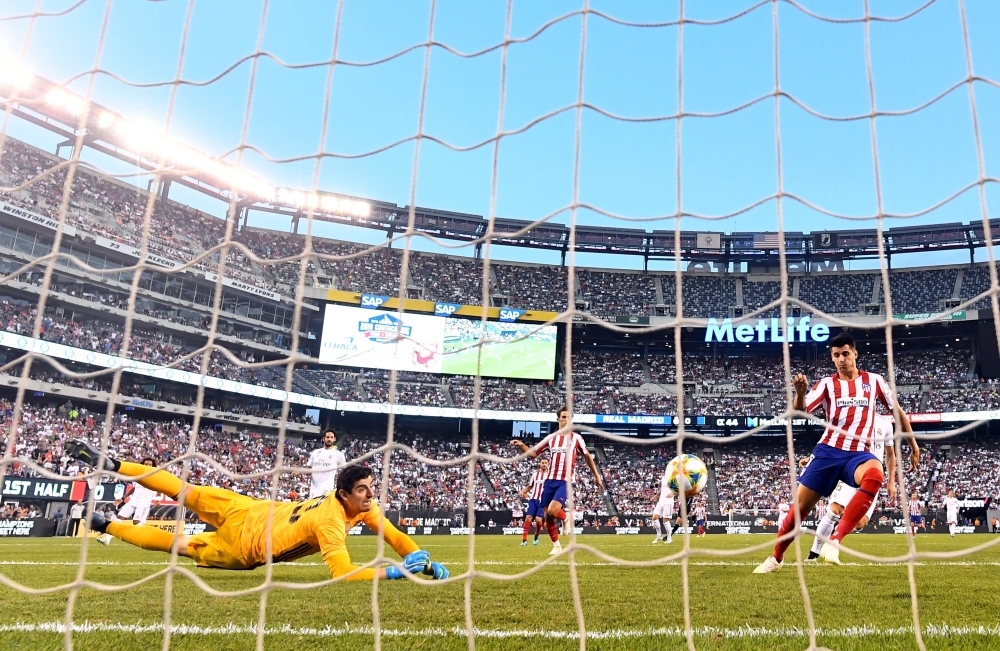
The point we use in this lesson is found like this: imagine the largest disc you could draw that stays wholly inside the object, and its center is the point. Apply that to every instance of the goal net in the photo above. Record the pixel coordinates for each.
(150, 274)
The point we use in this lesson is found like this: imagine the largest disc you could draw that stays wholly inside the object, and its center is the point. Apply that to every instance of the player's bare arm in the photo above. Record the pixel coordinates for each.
(593, 469)
(904, 424)
(531, 452)
(801, 384)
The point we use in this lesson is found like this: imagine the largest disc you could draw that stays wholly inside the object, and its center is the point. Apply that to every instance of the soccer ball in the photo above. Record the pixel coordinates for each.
(689, 472)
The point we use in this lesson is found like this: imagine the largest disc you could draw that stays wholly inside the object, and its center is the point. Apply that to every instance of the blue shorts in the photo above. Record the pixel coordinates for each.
(535, 509)
(700, 523)
(916, 519)
(554, 490)
(829, 465)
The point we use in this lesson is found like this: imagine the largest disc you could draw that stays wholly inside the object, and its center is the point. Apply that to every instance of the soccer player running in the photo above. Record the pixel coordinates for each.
(843, 494)
(916, 508)
(664, 512)
(701, 518)
(325, 461)
(245, 525)
(849, 397)
(564, 444)
(951, 511)
(536, 512)
(136, 506)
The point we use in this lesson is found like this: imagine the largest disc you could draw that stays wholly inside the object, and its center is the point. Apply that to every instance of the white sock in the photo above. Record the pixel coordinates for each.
(951, 528)
(656, 525)
(824, 529)
(666, 525)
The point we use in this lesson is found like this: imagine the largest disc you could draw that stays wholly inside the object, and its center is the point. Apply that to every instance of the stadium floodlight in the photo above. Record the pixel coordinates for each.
(14, 75)
(106, 120)
(330, 204)
(64, 100)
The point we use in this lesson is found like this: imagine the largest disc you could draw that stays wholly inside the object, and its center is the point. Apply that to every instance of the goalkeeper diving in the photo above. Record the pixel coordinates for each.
(296, 529)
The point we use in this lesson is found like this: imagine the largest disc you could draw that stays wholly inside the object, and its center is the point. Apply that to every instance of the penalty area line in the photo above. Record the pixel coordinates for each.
(931, 630)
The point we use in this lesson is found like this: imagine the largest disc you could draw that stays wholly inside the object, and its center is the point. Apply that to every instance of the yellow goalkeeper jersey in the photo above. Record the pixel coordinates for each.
(318, 525)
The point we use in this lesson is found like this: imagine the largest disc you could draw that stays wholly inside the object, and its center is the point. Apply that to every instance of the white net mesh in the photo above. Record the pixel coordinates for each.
(45, 185)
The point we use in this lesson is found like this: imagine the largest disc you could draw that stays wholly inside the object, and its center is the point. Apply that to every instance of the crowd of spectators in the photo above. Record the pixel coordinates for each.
(618, 294)
(916, 292)
(704, 296)
(495, 393)
(426, 395)
(838, 293)
(539, 287)
(448, 279)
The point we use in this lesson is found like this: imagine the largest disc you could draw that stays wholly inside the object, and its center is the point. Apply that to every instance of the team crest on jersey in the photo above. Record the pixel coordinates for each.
(845, 403)
(866, 387)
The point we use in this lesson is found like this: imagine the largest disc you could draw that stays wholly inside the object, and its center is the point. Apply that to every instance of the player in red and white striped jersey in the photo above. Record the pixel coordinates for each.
(916, 509)
(850, 399)
(533, 491)
(563, 445)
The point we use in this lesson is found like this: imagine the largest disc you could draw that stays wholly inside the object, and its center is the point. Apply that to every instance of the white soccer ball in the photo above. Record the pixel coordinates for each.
(689, 472)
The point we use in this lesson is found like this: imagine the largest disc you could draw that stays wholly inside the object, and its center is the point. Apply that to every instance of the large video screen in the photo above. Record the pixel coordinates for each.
(354, 336)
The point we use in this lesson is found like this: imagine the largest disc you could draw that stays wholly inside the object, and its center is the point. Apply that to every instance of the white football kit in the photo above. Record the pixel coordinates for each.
(137, 507)
(951, 510)
(665, 505)
(883, 433)
(325, 464)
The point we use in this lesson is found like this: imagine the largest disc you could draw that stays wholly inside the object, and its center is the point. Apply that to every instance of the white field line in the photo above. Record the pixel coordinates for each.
(932, 630)
(525, 563)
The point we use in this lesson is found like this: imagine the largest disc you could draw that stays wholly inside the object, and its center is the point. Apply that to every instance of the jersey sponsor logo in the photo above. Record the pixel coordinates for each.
(848, 402)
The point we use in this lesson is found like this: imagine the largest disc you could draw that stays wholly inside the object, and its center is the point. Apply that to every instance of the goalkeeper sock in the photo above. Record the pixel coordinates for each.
(142, 536)
(871, 482)
(824, 529)
(160, 481)
(527, 528)
(550, 524)
(787, 525)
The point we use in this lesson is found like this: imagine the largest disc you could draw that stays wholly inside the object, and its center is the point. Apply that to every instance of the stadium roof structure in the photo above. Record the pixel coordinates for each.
(52, 107)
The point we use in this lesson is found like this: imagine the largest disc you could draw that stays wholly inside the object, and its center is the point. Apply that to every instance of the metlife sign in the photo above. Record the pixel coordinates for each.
(767, 330)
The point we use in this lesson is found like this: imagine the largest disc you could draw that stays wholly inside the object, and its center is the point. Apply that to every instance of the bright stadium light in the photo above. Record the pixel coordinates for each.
(64, 100)
(106, 120)
(14, 75)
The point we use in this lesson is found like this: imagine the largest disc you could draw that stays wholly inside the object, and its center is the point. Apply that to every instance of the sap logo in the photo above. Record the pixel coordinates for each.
(445, 309)
(373, 301)
(510, 314)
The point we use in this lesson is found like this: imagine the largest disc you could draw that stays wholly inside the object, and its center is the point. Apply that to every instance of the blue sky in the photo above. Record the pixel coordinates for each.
(627, 168)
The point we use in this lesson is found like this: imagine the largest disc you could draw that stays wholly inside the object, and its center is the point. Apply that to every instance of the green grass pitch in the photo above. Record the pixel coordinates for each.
(524, 358)
(858, 606)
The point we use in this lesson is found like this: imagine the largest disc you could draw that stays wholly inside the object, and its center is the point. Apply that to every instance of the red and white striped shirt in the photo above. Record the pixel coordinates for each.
(563, 450)
(537, 484)
(850, 405)
(916, 506)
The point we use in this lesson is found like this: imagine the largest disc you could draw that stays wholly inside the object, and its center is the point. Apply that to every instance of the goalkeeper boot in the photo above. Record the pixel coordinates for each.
(98, 522)
(104, 539)
(85, 452)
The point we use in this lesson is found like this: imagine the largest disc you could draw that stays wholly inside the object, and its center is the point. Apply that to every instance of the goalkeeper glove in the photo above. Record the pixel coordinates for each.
(414, 563)
(440, 572)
